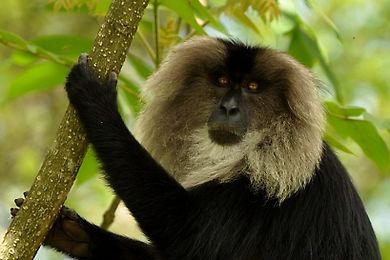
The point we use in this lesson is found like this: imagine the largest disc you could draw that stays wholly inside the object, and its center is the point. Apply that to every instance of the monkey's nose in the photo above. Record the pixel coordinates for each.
(229, 105)
(230, 109)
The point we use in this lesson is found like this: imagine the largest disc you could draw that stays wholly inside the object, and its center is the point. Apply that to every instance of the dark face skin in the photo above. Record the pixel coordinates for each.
(234, 84)
(242, 91)
(229, 121)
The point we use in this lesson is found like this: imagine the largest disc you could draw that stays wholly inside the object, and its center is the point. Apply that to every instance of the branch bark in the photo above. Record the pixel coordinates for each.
(58, 171)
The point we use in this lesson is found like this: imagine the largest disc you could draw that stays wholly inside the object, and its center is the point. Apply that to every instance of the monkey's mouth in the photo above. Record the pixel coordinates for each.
(224, 135)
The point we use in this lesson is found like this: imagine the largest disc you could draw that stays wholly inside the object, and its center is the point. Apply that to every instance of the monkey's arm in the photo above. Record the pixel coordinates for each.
(155, 199)
(80, 239)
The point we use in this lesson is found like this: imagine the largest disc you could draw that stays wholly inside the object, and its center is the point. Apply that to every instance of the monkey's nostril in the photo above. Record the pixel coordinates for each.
(233, 111)
(223, 109)
(229, 111)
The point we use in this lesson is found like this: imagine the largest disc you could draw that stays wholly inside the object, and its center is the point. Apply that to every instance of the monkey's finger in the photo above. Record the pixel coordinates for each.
(69, 213)
(25, 194)
(83, 59)
(112, 79)
(19, 202)
(14, 211)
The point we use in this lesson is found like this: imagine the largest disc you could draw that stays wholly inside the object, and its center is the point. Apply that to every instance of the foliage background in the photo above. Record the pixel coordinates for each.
(346, 44)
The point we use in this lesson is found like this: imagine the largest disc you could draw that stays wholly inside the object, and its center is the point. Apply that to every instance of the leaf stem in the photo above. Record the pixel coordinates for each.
(156, 33)
(146, 44)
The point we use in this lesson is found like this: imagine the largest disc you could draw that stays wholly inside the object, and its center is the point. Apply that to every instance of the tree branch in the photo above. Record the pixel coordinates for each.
(58, 171)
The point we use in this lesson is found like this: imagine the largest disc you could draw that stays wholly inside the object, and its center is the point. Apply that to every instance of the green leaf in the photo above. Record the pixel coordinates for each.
(184, 10)
(69, 45)
(366, 136)
(295, 49)
(23, 59)
(336, 144)
(143, 69)
(332, 77)
(130, 85)
(41, 77)
(29, 47)
(102, 7)
(380, 123)
(346, 112)
(89, 168)
(325, 18)
(310, 42)
(267, 9)
(54, 57)
(131, 92)
(204, 13)
(245, 20)
(310, 47)
(10, 38)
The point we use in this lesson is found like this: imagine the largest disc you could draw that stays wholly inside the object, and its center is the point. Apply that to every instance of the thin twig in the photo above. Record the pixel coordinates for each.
(147, 46)
(109, 215)
(156, 32)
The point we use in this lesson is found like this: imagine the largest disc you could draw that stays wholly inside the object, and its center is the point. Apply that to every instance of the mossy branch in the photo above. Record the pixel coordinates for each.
(58, 171)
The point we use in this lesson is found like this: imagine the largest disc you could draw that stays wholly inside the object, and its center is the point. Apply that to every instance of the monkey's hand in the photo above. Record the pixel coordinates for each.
(87, 92)
(68, 234)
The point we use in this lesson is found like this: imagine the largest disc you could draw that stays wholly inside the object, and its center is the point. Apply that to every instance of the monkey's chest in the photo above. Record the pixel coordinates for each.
(231, 222)
(223, 224)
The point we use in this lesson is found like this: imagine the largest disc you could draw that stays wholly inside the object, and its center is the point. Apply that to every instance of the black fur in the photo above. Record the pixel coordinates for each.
(326, 220)
(240, 57)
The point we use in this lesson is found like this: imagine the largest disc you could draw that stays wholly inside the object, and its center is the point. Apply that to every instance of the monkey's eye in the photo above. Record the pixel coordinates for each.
(223, 81)
(253, 86)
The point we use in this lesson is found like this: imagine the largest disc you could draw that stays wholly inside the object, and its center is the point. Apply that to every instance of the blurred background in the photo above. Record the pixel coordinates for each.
(346, 43)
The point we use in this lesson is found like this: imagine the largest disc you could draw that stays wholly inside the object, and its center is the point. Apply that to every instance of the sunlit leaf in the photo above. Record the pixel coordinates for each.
(241, 17)
(347, 122)
(346, 112)
(204, 13)
(184, 10)
(380, 123)
(366, 136)
(169, 34)
(267, 9)
(324, 17)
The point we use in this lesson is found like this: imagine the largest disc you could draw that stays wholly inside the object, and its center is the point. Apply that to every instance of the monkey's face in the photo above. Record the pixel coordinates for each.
(248, 89)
